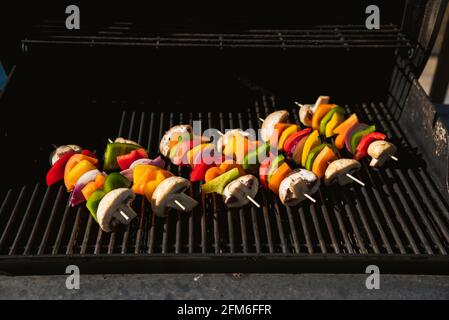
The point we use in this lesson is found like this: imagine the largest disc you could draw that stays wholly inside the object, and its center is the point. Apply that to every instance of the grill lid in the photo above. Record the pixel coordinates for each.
(408, 25)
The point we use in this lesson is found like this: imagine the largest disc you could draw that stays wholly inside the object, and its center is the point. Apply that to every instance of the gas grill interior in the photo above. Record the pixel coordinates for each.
(130, 77)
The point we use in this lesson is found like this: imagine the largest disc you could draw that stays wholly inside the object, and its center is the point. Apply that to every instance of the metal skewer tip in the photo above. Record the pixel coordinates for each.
(298, 104)
(253, 201)
(124, 215)
(355, 179)
(110, 141)
(309, 197)
(394, 158)
(180, 205)
(261, 120)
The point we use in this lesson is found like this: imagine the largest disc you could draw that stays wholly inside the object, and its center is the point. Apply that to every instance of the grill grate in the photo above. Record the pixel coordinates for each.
(398, 213)
(129, 34)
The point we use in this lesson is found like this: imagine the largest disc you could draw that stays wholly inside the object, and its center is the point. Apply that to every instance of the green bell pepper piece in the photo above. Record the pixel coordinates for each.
(93, 202)
(356, 137)
(251, 160)
(314, 153)
(219, 183)
(113, 150)
(115, 180)
(328, 118)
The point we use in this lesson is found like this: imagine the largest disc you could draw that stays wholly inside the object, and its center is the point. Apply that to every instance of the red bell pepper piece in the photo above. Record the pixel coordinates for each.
(291, 142)
(125, 161)
(88, 153)
(362, 147)
(199, 170)
(56, 172)
(263, 172)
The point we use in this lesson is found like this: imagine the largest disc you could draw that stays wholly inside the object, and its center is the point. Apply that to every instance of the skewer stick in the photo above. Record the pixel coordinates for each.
(253, 201)
(261, 120)
(355, 179)
(54, 146)
(221, 134)
(394, 158)
(110, 141)
(180, 205)
(298, 104)
(309, 197)
(124, 215)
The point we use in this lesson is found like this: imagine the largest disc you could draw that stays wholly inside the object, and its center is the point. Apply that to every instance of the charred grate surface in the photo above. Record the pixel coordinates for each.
(128, 34)
(399, 212)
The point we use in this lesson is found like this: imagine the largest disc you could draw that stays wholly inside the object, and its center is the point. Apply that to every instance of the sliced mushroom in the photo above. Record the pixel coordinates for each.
(380, 151)
(270, 121)
(123, 140)
(337, 171)
(320, 100)
(170, 194)
(236, 193)
(62, 150)
(226, 138)
(174, 133)
(296, 185)
(115, 208)
(306, 114)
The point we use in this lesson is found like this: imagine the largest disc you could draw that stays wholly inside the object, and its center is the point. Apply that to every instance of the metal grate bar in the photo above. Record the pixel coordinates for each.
(61, 230)
(49, 227)
(24, 221)
(12, 218)
(254, 213)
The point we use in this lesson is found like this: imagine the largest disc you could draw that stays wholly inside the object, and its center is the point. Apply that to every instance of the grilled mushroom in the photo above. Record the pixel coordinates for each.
(62, 150)
(270, 121)
(226, 138)
(320, 100)
(237, 192)
(123, 140)
(380, 151)
(337, 171)
(170, 194)
(294, 188)
(115, 208)
(174, 133)
(305, 114)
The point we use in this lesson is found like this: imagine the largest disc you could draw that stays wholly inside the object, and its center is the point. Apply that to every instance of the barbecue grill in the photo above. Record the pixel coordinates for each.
(129, 74)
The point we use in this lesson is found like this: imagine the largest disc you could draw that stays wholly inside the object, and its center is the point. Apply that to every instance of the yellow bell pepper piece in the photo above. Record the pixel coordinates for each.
(192, 153)
(285, 134)
(141, 169)
(161, 175)
(73, 175)
(335, 121)
(319, 114)
(312, 141)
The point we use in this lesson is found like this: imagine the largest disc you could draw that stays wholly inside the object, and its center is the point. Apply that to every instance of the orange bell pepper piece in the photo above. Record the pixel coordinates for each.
(322, 110)
(93, 186)
(227, 165)
(322, 160)
(343, 129)
(212, 173)
(277, 177)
